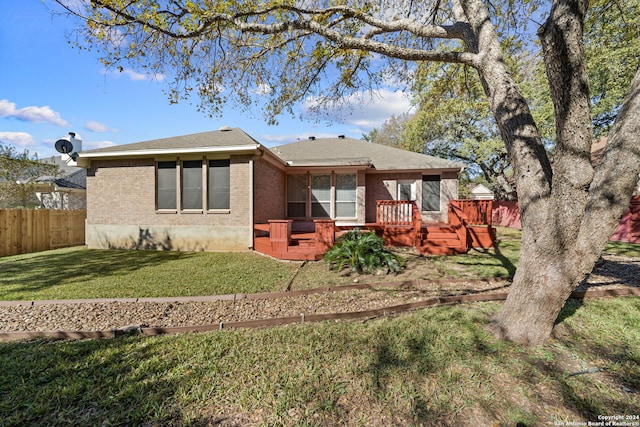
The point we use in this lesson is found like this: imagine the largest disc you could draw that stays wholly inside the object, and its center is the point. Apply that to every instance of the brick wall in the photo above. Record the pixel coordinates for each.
(121, 208)
(383, 186)
(269, 192)
(124, 192)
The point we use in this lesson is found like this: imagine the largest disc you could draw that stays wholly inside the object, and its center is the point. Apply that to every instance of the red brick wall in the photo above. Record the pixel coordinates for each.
(269, 192)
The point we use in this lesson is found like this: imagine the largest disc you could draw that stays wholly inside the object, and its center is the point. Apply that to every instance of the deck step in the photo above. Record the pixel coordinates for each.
(441, 242)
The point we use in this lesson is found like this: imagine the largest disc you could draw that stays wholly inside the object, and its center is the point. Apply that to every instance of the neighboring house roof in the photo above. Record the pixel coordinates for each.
(348, 151)
(73, 174)
(61, 183)
(481, 188)
(225, 139)
(481, 192)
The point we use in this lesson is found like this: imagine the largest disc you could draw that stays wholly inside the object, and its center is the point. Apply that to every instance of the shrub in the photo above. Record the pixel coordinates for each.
(362, 253)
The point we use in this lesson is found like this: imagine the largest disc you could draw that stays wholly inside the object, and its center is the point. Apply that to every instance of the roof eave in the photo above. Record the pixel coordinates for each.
(85, 158)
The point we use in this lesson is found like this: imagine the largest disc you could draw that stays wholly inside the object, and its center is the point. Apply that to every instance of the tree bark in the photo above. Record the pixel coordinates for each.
(558, 249)
(585, 211)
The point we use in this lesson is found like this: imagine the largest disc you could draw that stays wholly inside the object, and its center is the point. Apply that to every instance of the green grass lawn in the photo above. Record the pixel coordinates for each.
(432, 367)
(89, 273)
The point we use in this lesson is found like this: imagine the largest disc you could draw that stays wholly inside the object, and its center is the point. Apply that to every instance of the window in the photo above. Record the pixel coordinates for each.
(329, 196)
(321, 196)
(190, 185)
(346, 195)
(406, 190)
(296, 196)
(431, 193)
(166, 185)
(219, 184)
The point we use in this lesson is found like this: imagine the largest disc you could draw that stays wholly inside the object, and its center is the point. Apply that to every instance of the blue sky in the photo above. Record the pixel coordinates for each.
(49, 88)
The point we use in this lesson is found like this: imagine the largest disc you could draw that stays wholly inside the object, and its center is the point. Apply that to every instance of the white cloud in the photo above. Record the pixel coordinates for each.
(21, 139)
(134, 75)
(262, 89)
(95, 126)
(364, 109)
(31, 114)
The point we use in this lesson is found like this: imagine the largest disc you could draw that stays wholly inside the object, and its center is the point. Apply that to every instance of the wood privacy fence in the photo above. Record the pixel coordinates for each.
(24, 231)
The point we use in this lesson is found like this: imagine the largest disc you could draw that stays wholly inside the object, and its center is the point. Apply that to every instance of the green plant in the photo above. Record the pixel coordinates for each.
(362, 253)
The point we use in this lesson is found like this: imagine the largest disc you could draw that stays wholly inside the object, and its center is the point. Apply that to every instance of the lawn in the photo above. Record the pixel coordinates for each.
(433, 367)
(90, 273)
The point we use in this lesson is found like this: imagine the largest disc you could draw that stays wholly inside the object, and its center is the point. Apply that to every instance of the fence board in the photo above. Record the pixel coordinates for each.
(25, 231)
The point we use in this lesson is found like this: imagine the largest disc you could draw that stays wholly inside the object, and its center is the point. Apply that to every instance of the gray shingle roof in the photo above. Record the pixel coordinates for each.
(347, 151)
(219, 138)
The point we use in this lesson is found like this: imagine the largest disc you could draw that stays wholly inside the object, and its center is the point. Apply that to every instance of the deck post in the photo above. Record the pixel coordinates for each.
(280, 234)
(325, 233)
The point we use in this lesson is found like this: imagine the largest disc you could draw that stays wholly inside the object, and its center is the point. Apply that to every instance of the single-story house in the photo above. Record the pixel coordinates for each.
(223, 190)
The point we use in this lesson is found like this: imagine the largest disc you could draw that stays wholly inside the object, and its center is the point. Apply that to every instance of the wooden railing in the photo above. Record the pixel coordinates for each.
(417, 224)
(458, 220)
(395, 212)
(477, 212)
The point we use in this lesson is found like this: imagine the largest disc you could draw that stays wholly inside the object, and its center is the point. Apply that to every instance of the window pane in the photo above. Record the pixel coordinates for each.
(166, 185)
(345, 209)
(321, 210)
(296, 209)
(297, 188)
(431, 193)
(346, 188)
(346, 196)
(192, 184)
(219, 184)
(321, 188)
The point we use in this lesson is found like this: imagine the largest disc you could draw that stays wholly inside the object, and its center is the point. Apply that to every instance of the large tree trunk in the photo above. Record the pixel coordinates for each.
(545, 277)
(559, 206)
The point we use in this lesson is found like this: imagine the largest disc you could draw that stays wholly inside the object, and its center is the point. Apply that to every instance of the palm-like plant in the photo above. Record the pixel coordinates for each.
(362, 253)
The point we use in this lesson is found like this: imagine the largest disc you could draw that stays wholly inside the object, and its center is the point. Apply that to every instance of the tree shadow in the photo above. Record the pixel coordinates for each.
(37, 272)
(417, 359)
(121, 381)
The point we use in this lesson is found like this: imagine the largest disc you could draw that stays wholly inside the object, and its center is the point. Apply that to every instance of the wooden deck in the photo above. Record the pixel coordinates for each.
(399, 224)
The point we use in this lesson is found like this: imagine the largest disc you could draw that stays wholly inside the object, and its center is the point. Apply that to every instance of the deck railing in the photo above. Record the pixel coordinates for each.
(477, 212)
(459, 221)
(395, 212)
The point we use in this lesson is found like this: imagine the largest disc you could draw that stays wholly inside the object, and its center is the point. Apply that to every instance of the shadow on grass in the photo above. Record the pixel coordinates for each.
(607, 363)
(433, 368)
(37, 272)
(498, 263)
(86, 383)
(468, 371)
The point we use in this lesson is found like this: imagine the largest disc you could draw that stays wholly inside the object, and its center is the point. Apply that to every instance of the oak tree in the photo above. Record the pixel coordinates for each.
(284, 51)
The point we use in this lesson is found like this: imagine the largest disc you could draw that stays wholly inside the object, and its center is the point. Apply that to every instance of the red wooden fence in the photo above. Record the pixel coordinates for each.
(507, 214)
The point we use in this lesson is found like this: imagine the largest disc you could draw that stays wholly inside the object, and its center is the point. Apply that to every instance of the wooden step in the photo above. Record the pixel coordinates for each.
(441, 242)
(441, 250)
(440, 236)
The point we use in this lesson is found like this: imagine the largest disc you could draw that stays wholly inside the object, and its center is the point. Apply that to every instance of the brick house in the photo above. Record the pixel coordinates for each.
(223, 190)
